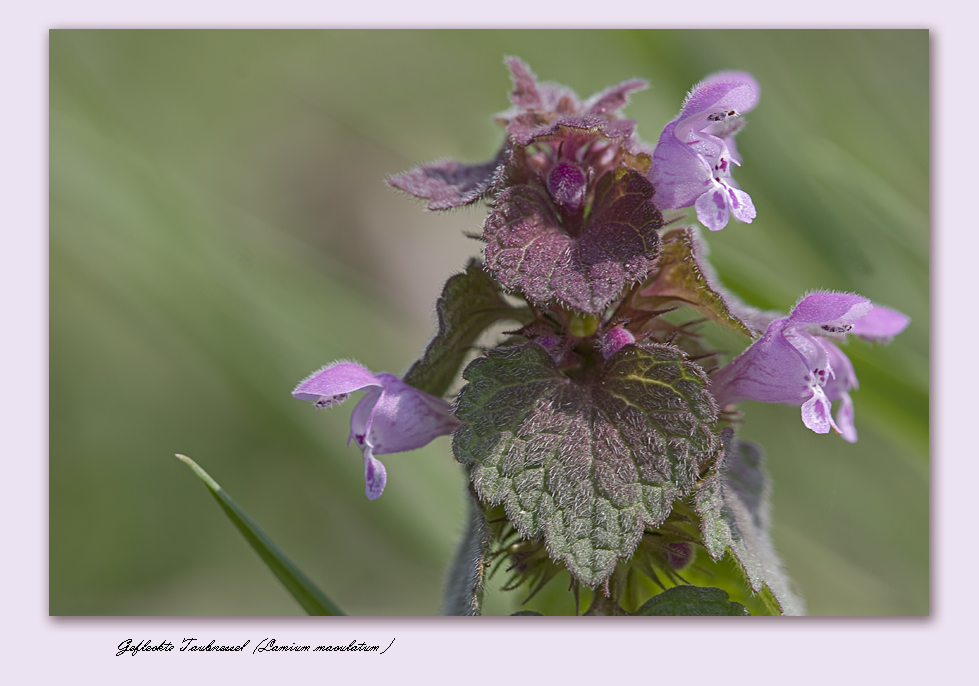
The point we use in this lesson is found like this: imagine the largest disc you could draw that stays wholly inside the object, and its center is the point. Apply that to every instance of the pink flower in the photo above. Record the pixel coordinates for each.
(391, 418)
(695, 155)
(791, 364)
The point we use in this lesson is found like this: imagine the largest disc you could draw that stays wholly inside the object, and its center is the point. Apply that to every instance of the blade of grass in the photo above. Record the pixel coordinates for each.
(311, 598)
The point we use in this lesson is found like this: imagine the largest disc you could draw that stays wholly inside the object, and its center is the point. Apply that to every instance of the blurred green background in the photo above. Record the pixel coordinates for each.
(219, 228)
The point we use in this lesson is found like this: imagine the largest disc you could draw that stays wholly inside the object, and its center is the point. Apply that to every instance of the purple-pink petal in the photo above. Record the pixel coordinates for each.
(880, 324)
(330, 385)
(771, 370)
(406, 418)
(696, 151)
(789, 364)
(843, 378)
(713, 209)
(719, 94)
(816, 413)
(838, 387)
(827, 308)
(392, 417)
(375, 475)
(844, 419)
(741, 205)
(362, 417)
(680, 175)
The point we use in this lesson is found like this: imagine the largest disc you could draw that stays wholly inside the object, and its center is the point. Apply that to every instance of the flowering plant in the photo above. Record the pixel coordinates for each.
(599, 432)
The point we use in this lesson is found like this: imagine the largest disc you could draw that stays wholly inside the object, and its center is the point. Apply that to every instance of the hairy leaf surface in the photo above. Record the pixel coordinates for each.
(586, 464)
(735, 512)
(464, 584)
(682, 274)
(448, 183)
(531, 249)
(470, 302)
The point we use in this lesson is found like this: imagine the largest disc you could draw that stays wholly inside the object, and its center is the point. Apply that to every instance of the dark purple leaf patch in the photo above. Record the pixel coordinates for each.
(535, 248)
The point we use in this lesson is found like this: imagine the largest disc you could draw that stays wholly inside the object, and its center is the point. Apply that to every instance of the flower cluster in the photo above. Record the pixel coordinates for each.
(603, 411)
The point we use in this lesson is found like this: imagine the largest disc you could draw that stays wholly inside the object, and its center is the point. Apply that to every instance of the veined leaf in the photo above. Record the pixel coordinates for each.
(683, 275)
(470, 302)
(530, 250)
(692, 601)
(587, 464)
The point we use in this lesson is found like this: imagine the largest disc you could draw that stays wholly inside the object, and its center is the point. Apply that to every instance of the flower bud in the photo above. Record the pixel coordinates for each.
(615, 339)
(566, 183)
(678, 554)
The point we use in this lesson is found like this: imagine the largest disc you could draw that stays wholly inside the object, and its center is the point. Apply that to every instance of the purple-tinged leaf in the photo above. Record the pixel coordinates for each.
(683, 275)
(448, 183)
(530, 249)
(585, 464)
(614, 98)
(527, 129)
(735, 516)
(524, 93)
(539, 108)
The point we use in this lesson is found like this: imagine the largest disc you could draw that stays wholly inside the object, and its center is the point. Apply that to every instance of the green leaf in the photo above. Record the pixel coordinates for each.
(692, 601)
(588, 463)
(312, 599)
(526, 613)
(464, 586)
(683, 275)
(470, 302)
(733, 504)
